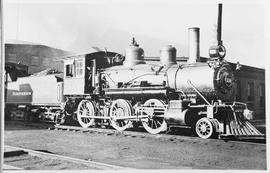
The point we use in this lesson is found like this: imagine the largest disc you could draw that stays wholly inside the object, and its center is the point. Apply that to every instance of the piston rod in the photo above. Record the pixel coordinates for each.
(129, 117)
(96, 117)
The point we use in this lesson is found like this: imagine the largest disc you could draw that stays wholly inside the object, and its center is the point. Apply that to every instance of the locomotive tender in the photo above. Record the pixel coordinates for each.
(35, 97)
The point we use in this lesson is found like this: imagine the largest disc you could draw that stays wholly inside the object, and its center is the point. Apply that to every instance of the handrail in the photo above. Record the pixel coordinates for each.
(189, 82)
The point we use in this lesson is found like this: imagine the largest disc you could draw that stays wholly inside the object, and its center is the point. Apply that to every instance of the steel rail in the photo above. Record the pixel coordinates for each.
(96, 165)
(145, 134)
(9, 167)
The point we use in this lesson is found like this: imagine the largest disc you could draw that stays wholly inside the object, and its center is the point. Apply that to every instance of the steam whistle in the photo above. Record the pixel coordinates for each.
(134, 42)
(218, 51)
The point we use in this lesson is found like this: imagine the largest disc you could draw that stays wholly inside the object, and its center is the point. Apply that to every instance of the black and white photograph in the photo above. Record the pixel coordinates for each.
(133, 85)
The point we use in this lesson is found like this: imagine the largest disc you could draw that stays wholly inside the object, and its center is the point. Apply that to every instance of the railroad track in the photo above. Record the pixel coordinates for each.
(141, 134)
(33, 159)
(174, 135)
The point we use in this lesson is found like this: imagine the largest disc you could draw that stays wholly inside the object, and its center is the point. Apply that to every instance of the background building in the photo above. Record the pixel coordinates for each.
(251, 89)
(28, 58)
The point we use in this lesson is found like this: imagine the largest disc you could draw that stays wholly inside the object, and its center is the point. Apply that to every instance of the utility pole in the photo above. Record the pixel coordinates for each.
(2, 115)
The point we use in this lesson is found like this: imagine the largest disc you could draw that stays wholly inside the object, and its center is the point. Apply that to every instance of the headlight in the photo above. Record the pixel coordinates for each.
(217, 51)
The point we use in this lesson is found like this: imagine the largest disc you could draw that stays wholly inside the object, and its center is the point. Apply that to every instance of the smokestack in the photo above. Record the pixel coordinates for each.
(194, 44)
(219, 24)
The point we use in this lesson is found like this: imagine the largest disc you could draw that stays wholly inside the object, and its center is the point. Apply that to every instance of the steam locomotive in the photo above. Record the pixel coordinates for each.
(107, 88)
(125, 90)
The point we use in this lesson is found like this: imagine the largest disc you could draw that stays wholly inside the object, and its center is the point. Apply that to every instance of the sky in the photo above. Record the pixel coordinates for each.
(76, 26)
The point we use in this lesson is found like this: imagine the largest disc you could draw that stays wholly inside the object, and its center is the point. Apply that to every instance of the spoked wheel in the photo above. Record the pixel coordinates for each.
(154, 124)
(59, 118)
(205, 128)
(85, 109)
(119, 108)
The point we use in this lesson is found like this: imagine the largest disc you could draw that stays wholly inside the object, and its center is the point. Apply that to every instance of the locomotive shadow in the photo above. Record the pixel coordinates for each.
(13, 125)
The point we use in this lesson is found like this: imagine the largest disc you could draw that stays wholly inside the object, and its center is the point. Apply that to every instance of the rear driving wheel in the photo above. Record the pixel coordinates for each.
(154, 124)
(85, 109)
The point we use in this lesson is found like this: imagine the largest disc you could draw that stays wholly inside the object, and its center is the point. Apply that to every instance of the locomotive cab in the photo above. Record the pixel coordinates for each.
(80, 72)
(74, 75)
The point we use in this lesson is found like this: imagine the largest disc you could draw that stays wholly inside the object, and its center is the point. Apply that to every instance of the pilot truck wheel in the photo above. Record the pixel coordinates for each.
(205, 128)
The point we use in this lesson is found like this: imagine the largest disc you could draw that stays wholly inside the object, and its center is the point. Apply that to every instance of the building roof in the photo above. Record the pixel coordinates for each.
(12, 41)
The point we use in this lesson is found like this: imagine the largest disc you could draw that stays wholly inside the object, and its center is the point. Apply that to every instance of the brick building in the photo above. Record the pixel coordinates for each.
(251, 89)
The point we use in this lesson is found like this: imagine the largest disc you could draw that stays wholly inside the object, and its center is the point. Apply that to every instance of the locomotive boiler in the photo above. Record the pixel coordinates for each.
(106, 88)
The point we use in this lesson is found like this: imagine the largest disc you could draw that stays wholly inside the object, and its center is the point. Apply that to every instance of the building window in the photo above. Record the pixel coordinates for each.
(238, 94)
(46, 62)
(69, 70)
(12, 57)
(35, 61)
(79, 68)
(262, 95)
(250, 90)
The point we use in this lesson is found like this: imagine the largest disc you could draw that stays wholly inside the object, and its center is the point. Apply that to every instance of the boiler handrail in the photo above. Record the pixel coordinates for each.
(189, 82)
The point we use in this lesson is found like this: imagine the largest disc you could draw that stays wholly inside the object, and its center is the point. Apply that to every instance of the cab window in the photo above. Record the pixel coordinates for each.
(79, 68)
(69, 70)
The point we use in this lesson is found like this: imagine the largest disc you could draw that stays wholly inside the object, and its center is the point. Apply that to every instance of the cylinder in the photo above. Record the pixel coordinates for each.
(168, 55)
(194, 45)
(134, 55)
(175, 116)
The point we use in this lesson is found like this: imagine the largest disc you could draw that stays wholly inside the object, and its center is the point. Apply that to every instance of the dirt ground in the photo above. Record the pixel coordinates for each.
(28, 162)
(138, 152)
